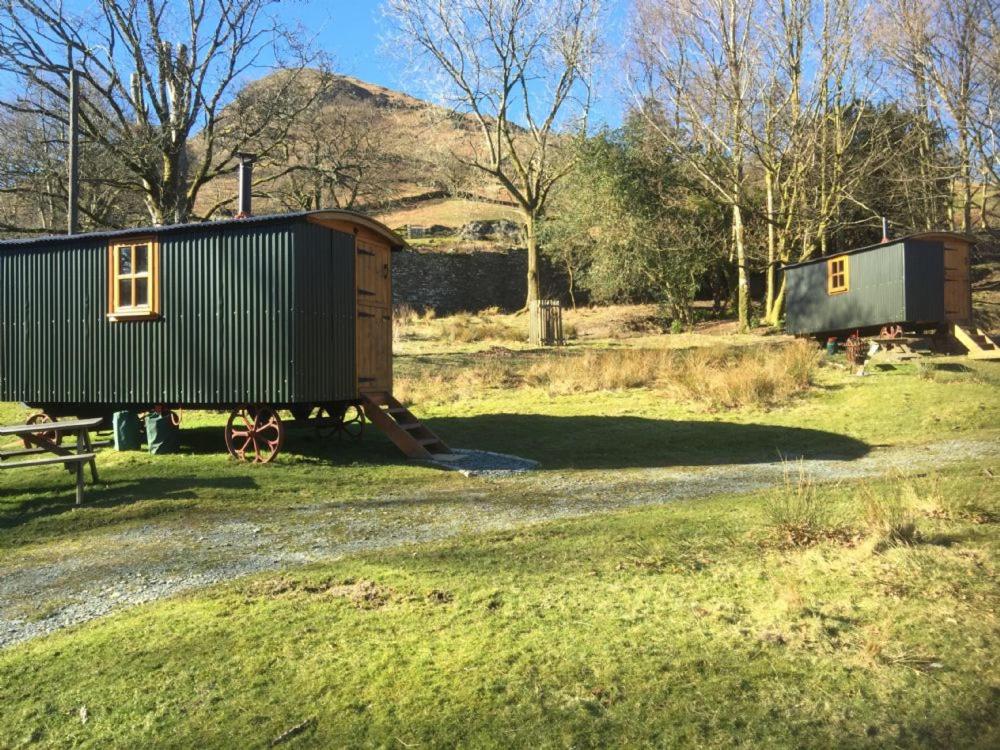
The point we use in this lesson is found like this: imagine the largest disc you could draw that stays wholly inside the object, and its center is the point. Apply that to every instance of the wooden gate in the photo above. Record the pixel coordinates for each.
(373, 280)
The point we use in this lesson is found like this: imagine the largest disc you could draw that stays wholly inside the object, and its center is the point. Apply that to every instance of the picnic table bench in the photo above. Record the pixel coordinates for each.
(40, 439)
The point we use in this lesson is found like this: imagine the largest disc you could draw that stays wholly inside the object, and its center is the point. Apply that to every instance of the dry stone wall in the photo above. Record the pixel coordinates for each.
(468, 282)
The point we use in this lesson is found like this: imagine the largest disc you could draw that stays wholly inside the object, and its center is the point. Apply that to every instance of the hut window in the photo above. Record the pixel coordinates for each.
(133, 278)
(838, 277)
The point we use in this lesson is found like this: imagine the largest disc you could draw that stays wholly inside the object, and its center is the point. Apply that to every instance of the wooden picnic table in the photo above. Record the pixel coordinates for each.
(904, 343)
(42, 438)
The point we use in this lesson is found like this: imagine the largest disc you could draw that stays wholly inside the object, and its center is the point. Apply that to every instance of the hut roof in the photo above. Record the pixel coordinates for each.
(915, 236)
(394, 240)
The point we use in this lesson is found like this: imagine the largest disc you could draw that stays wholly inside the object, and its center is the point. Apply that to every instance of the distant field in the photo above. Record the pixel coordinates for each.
(450, 212)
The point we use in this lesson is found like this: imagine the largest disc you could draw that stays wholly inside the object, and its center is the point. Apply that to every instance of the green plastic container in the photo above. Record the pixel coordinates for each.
(162, 435)
(128, 434)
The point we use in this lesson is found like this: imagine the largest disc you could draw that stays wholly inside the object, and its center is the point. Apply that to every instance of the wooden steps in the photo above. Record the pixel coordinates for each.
(976, 342)
(399, 424)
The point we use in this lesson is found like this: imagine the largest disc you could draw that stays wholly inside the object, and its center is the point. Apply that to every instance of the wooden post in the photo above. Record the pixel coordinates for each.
(83, 445)
(79, 482)
(545, 323)
(73, 157)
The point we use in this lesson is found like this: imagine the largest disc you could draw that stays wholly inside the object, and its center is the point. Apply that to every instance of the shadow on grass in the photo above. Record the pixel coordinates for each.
(951, 367)
(591, 442)
(49, 498)
(570, 442)
(301, 442)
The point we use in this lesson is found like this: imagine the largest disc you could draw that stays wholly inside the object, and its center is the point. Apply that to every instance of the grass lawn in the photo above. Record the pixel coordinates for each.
(705, 622)
(685, 624)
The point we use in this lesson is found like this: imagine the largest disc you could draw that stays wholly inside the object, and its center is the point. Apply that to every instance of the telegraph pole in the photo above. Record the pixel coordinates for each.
(73, 158)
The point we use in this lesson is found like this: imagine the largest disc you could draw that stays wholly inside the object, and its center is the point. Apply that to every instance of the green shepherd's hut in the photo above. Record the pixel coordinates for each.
(920, 283)
(273, 318)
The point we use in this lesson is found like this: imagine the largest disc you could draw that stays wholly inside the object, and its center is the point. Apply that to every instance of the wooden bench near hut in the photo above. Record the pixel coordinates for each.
(45, 436)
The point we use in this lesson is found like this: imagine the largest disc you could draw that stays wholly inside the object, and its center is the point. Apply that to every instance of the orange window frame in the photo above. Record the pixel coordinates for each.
(131, 311)
(838, 275)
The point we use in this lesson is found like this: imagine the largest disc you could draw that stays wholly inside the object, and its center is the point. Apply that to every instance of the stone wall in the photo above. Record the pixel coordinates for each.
(467, 282)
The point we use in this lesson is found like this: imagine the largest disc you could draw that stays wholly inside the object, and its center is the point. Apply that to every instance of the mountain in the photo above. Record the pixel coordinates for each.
(364, 146)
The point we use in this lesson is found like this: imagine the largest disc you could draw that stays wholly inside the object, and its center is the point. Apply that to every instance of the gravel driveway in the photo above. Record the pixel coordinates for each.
(49, 587)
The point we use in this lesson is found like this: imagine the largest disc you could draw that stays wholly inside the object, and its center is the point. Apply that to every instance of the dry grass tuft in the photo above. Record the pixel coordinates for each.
(597, 370)
(750, 376)
(734, 377)
(466, 329)
(719, 377)
(490, 372)
(403, 318)
(888, 516)
(798, 517)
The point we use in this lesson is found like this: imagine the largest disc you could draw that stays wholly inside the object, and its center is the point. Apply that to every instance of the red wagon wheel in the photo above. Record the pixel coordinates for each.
(254, 434)
(51, 435)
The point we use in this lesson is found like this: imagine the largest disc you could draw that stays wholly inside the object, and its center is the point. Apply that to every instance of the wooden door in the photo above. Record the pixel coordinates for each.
(373, 280)
(957, 284)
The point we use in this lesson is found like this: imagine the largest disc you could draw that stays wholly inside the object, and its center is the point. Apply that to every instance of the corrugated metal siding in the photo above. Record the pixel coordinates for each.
(924, 281)
(876, 295)
(225, 335)
(324, 315)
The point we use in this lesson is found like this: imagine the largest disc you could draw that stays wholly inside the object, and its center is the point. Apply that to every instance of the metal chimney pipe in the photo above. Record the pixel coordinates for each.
(73, 157)
(246, 184)
(885, 229)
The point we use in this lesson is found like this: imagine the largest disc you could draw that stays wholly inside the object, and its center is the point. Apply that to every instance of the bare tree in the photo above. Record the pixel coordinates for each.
(520, 69)
(334, 154)
(946, 51)
(160, 77)
(33, 187)
(695, 60)
(338, 156)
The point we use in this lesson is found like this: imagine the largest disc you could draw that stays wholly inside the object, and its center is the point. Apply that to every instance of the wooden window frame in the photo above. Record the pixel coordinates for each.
(843, 275)
(149, 311)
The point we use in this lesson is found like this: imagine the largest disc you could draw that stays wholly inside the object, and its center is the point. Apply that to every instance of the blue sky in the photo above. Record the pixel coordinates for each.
(353, 33)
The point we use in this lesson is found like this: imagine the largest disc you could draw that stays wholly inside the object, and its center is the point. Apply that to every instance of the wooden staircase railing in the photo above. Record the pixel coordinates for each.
(976, 342)
(399, 424)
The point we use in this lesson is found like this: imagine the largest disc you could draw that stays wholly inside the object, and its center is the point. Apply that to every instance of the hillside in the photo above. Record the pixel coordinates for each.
(369, 147)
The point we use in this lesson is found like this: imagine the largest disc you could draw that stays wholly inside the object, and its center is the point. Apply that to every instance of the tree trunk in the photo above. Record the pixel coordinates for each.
(771, 259)
(531, 236)
(571, 284)
(743, 278)
(779, 302)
